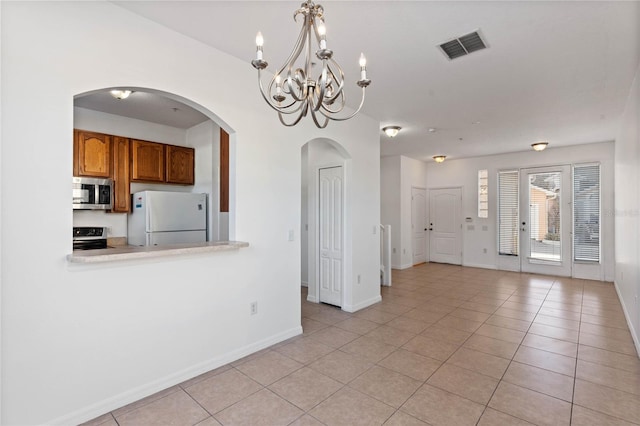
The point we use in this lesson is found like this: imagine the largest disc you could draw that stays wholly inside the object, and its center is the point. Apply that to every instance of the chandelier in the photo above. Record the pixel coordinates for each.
(292, 90)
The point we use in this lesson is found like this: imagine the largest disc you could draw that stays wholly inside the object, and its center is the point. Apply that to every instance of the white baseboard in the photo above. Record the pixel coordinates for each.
(479, 265)
(362, 305)
(311, 298)
(634, 333)
(99, 408)
(304, 284)
(405, 266)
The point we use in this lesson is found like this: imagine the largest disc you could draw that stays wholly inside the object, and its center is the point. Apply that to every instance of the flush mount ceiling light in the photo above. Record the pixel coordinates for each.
(292, 88)
(539, 146)
(391, 131)
(439, 158)
(121, 94)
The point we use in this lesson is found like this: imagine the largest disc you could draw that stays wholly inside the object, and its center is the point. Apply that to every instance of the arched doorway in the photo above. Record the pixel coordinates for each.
(158, 116)
(325, 221)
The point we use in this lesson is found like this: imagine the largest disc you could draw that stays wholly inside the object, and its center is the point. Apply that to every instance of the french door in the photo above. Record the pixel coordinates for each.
(545, 220)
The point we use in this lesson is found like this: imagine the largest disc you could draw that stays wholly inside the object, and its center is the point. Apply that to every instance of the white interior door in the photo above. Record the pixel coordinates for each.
(419, 224)
(445, 225)
(545, 220)
(330, 217)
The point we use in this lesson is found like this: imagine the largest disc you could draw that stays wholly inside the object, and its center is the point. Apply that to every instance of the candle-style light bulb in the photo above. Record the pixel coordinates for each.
(259, 43)
(363, 67)
(278, 86)
(322, 31)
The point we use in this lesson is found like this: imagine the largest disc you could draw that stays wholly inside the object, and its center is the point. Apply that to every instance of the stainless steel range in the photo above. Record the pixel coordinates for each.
(89, 238)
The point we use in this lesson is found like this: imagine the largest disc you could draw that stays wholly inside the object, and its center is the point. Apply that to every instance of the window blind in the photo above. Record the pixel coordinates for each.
(586, 212)
(508, 183)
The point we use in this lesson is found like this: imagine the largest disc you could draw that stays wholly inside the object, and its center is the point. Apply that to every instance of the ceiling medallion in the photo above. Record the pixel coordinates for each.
(292, 88)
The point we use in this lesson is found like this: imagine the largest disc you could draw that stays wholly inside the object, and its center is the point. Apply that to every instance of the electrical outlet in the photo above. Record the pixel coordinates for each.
(359, 279)
(254, 308)
(375, 229)
(291, 235)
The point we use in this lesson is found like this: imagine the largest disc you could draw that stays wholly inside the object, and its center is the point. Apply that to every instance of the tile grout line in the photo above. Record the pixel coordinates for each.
(511, 361)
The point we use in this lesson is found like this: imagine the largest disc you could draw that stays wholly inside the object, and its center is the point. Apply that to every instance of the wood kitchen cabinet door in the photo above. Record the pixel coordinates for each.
(147, 161)
(180, 164)
(121, 177)
(91, 154)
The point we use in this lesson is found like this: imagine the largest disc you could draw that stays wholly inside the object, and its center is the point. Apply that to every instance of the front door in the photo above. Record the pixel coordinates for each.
(445, 225)
(331, 184)
(419, 224)
(545, 220)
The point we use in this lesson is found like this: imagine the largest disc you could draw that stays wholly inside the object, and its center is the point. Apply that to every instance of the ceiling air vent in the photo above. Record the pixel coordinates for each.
(463, 45)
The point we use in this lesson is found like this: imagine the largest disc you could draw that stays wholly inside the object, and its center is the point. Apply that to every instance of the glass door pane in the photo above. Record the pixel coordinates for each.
(545, 241)
(545, 220)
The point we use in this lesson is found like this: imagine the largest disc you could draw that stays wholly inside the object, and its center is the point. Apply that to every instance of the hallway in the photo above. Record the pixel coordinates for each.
(447, 345)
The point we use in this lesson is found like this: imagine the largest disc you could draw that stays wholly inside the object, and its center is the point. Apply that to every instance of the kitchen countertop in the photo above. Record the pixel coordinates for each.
(136, 252)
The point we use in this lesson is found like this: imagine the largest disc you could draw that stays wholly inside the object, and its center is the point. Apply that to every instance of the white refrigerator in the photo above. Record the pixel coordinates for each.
(162, 217)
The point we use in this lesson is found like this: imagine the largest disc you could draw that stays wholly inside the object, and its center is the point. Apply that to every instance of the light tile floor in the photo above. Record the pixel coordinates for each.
(447, 346)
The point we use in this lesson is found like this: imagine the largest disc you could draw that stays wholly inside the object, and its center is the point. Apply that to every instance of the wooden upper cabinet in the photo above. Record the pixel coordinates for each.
(121, 176)
(179, 164)
(91, 154)
(147, 161)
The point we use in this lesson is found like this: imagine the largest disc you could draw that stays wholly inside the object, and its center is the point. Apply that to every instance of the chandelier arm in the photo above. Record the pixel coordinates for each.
(296, 121)
(299, 72)
(290, 88)
(290, 62)
(327, 106)
(336, 79)
(339, 107)
(350, 116)
(315, 120)
(269, 102)
(297, 48)
(322, 83)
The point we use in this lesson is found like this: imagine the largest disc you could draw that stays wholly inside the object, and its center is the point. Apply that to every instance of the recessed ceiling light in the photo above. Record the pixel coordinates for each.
(439, 158)
(475, 122)
(391, 131)
(120, 94)
(539, 146)
(432, 130)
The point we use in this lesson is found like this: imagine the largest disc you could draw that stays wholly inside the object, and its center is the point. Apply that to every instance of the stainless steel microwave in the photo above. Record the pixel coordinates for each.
(92, 194)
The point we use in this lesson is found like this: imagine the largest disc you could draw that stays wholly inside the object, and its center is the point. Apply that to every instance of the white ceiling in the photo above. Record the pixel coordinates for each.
(557, 71)
(143, 106)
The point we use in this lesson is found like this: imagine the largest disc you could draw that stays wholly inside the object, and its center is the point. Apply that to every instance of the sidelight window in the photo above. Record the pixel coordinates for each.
(508, 183)
(586, 212)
